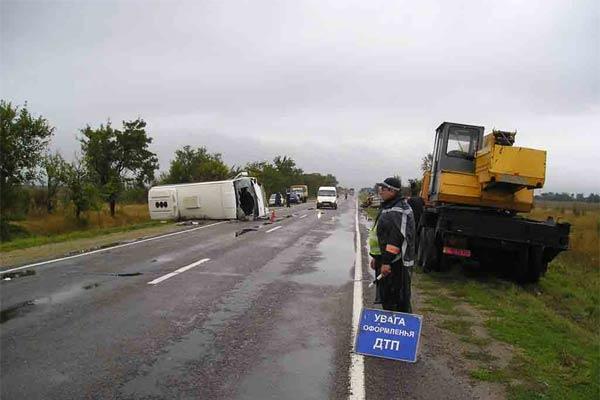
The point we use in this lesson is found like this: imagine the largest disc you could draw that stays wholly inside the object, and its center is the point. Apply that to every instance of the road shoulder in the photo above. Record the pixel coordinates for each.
(442, 370)
(50, 251)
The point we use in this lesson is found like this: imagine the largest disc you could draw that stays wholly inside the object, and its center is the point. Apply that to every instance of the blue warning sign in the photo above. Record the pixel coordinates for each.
(388, 334)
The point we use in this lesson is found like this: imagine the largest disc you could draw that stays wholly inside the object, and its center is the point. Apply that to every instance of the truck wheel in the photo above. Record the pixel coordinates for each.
(430, 252)
(537, 267)
(445, 263)
(521, 265)
(419, 259)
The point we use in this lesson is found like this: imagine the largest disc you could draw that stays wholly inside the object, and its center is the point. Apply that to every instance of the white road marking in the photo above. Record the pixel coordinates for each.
(108, 248)
(178, 271)
(217, 273)
(302, 216)
(357, 366)
(273, 229)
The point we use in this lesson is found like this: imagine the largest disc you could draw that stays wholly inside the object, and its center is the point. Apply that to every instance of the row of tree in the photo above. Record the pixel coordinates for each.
(198, 165)
(112, 160)
(564, 196)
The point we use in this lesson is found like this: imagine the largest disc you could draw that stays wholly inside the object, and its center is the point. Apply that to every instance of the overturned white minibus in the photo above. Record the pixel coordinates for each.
(238, 198)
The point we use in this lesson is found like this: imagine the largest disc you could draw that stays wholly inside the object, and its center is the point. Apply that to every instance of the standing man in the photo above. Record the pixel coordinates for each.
(277, 199)
(391, 244)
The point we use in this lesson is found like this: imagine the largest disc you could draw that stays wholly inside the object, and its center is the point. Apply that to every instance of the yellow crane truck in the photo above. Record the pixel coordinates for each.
(473, 193)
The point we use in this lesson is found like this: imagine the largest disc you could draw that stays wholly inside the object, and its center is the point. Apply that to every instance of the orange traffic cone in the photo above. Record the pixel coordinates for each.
(272, 216)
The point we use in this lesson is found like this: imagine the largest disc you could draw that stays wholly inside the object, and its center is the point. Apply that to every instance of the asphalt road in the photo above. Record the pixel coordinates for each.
(238, 310)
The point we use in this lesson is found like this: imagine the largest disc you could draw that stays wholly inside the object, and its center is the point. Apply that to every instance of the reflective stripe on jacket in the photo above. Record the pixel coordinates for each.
(396, 226)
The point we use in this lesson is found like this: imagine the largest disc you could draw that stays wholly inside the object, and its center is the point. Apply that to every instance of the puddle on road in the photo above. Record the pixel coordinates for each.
(63, 296)
(164, 258)
(26, 307)
(303, 373)
(336, 260)
(17, 310)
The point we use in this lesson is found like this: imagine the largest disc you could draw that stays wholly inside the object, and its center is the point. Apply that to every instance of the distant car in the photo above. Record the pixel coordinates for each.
(294, 198)
(274, 197)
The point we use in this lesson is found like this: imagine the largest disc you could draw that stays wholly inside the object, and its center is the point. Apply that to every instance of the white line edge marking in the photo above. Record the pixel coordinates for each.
(109, 248)
(302, 216)
(357, 366)
(178, 271)
(273, 229)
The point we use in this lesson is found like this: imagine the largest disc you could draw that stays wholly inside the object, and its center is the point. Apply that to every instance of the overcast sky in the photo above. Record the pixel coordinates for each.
(353, 88)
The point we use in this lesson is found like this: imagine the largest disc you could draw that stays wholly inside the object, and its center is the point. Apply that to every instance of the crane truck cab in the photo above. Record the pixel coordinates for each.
(473, 193)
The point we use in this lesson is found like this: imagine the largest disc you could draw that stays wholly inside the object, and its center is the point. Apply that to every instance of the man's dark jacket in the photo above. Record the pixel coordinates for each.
(396, 226)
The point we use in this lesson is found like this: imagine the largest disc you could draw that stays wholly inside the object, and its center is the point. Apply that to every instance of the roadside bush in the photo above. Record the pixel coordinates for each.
(134, 196)
(38, 199)
(10, 231)
(18, 205)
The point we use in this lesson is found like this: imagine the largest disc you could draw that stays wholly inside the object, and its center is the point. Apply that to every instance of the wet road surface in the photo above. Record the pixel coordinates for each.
(239, 310)
(254, 313)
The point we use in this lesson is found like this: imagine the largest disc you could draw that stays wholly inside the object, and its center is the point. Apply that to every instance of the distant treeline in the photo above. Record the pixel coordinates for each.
(198, 165)
(564, 196)
(113, 165)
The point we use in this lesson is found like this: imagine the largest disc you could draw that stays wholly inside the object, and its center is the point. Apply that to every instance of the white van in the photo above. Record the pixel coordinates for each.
(231, 199)
(327, 197)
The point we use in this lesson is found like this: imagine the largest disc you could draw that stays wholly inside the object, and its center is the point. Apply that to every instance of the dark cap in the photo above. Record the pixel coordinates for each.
(391, 183)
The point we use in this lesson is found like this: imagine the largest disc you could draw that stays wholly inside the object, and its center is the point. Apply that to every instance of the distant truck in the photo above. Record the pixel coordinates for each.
(301, 191)
(236, 198)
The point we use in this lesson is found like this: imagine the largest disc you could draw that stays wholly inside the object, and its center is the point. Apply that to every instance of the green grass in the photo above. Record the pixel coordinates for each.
(443, 305)
(33, 241)
(489, 375)
(482, 356)
(458, 326)
(477, 341)
(554, 326)
(372, 212)
(573, 293)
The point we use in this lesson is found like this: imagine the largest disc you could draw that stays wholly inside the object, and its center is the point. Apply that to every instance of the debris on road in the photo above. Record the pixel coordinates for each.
(245, 230)
(17, 274)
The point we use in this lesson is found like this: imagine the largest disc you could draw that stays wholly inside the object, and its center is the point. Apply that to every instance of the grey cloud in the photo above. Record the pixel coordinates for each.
(353, 88)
